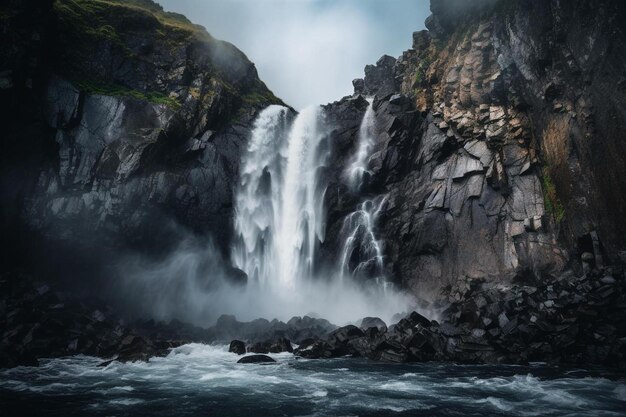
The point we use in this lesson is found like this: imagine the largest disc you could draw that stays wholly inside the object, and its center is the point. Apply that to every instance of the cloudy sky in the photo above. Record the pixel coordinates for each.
(309, 51)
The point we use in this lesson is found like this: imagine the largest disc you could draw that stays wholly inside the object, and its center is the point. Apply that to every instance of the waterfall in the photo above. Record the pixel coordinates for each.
(279, 217)
(361, 254)
(280, 223)
(358, 167)
(258, 196)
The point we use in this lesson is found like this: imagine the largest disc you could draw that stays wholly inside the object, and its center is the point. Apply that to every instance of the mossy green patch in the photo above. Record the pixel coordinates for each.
(91, 87)
(551, 200)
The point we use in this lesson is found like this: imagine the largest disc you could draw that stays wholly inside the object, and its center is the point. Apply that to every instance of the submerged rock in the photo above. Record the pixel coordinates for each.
(238, 347)
(256, 359)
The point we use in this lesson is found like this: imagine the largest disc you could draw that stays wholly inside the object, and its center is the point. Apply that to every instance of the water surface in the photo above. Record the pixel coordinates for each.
(201, 380)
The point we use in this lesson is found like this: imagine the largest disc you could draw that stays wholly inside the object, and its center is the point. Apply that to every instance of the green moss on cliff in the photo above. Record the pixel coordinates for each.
(91, 87)
(94, 18)
(134, 48)
(551, 201)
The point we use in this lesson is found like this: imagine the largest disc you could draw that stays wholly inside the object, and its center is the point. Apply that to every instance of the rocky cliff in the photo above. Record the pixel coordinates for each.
(498, 152)
(122, 124)
(499, 145)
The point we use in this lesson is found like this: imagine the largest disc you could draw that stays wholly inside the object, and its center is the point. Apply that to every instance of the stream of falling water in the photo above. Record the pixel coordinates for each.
(358, 167)
(362, 254)
(279, 203)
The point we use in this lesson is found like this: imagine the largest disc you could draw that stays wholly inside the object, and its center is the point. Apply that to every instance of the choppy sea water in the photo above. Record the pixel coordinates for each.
(201, 380)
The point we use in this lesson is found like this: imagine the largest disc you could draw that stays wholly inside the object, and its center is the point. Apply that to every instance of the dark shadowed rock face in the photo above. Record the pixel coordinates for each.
(493, 145)
(238, 347)
(137, 118)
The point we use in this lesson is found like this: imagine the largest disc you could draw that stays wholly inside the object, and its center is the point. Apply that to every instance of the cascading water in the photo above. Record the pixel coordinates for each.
(301, 225)
(279, 213)
(358, 167)
(259, 195)
(280, 222)
(362, 255)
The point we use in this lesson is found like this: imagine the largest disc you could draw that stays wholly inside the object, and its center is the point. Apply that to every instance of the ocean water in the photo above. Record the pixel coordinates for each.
(202, 380)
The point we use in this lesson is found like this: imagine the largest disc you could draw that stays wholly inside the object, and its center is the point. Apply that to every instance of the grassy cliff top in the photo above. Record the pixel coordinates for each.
(137, 47)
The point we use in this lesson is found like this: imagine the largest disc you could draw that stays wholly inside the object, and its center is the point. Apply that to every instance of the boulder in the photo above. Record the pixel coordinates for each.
(281, 345)
(314, 349)
(344, 334)
(256, 359)
(368, 322)
(238, 347)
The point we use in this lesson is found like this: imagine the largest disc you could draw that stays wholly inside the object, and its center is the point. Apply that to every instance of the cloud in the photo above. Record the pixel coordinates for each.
(309, 51)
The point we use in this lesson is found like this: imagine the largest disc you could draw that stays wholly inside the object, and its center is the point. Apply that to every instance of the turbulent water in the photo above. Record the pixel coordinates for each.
(206, 380)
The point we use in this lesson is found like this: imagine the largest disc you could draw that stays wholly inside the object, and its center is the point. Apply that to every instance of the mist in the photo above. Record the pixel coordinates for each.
(309, 51)
(193, 284)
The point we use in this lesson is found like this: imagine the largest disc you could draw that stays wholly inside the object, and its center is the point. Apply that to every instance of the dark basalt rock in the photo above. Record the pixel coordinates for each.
(375, 322)
(512, 324)
(256, 359)
(41, 322)
(238, 347)
(265, 336)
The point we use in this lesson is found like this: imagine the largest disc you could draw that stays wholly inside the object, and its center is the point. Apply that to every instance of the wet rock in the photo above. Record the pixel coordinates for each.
(314, 349)
(343, 335)
(368, 322)
(281, 345)
(256, 359)
(238, 347)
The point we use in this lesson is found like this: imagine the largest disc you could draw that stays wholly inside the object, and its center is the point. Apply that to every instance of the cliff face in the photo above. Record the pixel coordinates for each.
(500, 144)
(131, 121)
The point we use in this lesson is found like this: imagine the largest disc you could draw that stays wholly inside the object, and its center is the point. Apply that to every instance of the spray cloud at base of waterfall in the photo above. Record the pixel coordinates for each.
(193, 284)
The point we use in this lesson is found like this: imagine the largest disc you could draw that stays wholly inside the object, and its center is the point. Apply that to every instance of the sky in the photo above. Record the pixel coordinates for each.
(309, 51)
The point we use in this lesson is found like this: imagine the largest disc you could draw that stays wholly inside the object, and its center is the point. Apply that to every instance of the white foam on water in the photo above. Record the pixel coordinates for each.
(126, 401)
(497, 403)
(620, 392)
(198, 373)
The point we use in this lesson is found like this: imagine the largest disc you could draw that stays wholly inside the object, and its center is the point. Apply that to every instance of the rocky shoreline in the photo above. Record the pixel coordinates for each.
(573, 320)
(570, 320)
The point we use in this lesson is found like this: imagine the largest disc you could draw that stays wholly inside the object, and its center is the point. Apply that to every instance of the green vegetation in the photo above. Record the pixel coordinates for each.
(552, 203)
(110, 19)
(91, 87)
(98, 36)
(418, 77)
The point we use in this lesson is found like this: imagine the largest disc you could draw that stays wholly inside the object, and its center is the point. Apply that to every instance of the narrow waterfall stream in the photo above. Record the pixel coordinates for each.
(358, 168)
(362, 254)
